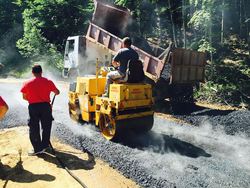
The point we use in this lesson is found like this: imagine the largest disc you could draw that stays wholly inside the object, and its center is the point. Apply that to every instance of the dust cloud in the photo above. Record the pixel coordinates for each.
(211, 137)
(87, 64)
(185, 154)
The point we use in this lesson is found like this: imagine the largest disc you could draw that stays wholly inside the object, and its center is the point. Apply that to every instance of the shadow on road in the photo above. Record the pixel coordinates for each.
(161, 143)
(19, 174)
(72, 162)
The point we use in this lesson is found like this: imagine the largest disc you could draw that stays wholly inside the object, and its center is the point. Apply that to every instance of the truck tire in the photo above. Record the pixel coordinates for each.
(160, 90)
(182, 93)
(181, 99)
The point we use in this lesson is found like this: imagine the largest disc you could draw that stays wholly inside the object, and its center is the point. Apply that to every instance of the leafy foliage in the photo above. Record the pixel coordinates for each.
(227, 81)
(10, 31)
(47, 24)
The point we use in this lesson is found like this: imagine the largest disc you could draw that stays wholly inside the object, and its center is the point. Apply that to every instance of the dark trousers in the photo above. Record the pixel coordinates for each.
(40, 113)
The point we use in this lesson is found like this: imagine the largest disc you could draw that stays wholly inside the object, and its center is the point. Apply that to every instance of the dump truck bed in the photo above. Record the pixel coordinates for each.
(178, 65)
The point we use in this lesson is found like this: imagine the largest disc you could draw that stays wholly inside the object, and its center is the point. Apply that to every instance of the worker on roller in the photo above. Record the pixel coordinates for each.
(120, 61)
(37, 92)
(3, 108)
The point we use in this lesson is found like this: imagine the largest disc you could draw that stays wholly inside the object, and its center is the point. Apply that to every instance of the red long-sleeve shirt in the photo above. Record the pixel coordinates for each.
(38, 89)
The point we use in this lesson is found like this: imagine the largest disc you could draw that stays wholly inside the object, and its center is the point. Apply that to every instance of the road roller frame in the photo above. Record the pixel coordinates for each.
(128, 107)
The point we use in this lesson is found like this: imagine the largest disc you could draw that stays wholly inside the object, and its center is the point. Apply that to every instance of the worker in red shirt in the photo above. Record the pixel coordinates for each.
(37, 92)
(3, 108)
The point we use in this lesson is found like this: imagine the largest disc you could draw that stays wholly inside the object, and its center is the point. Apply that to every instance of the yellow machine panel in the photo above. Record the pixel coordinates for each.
(87, 103)
(121, 92)
(89, 85)
(86, 116)
(72, 97)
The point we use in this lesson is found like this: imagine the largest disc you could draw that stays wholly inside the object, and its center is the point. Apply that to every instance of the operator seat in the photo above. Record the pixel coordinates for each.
(134, 73)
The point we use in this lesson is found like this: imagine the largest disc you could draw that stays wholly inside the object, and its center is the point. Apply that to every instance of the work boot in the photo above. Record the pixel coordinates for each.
(48, 150)
(33, 153)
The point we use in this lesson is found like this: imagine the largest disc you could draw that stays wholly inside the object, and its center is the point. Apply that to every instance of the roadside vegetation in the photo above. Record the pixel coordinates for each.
(32, 31)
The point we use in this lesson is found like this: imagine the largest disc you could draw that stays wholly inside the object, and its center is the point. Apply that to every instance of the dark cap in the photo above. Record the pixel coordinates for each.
(127, 41)
(36, 69)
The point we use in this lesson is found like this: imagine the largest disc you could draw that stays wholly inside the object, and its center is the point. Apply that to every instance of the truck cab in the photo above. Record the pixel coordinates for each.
(74, 51)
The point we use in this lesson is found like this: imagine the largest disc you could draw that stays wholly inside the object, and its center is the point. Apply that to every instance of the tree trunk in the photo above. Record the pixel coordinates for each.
(184, 23)
(249, 46)
(210, 35)
(222, 22)
(158, 23)
(246, 21)
(240, 12)
(172, 22)
(211, 42)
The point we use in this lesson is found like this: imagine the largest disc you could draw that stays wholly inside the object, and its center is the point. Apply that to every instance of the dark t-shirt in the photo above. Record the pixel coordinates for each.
(123, 56)
(38, 90)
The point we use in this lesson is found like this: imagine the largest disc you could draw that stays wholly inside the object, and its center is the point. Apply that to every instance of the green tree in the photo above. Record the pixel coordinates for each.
(48, 23)
(10, 31)
(203, 21)
(10, 15)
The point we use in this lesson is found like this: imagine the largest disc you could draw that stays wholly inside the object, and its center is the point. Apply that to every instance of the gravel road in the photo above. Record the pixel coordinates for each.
(212, 152)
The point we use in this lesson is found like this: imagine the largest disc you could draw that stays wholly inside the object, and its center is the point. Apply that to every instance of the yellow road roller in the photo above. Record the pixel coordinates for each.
(128, 107)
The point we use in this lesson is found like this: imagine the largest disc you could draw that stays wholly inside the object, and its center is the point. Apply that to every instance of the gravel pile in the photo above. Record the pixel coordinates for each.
(14, 118)
(233, 122)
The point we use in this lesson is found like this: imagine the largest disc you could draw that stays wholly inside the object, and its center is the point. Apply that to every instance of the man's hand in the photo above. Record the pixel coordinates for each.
(3, 110)
(115, 64)
(57, 92)
(25, 96)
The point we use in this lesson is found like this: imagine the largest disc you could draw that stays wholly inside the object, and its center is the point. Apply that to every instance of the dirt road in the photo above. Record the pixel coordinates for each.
(211, 150)
(45, 171)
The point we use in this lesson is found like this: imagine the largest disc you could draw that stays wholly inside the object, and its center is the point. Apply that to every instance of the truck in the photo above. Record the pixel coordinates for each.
(170, 73)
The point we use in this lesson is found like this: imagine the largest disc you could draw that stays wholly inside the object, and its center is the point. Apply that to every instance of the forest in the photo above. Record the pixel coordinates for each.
(35, 30)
